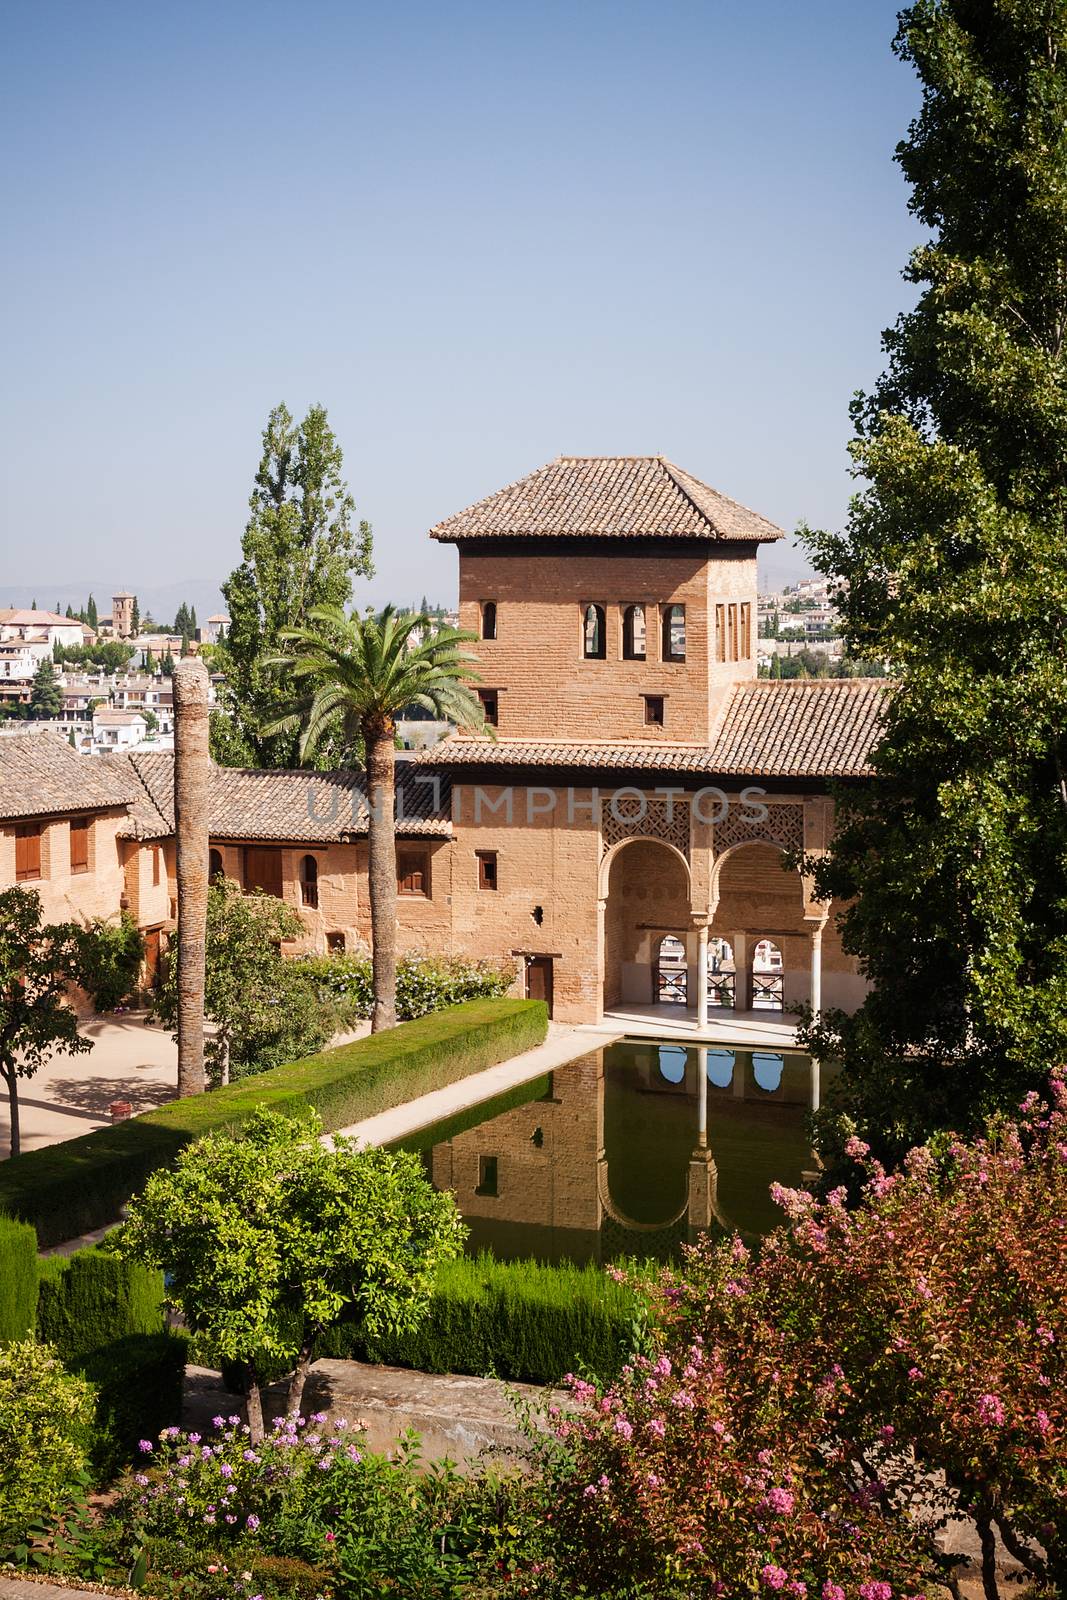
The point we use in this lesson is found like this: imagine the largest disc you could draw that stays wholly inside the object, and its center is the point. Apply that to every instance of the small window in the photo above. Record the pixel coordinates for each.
(335, 943)
(309, 882)
(79, 844)
(486, 869)
(490, 706)
(27, 851)
(594, 633)
(746, 631)
(633, 634)
(731, 633)
(654, 710)
(488, 1176)
(214, 865)
(674, 633)
(155, 864)
(720, 633)
(413, 872)
(488, 619)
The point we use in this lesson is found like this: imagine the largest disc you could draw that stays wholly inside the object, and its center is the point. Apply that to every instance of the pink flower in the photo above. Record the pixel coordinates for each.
(623, 1428)
(856, 1148)
(1043, 1421)
(663, 1367)
(657, 1426)
(774, 1577)
(779, 1500)
(990, 1410)
(832, 1591)
(876, 1591)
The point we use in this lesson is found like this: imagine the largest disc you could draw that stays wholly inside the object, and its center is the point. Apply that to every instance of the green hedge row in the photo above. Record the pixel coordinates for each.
(68, 1189)
(18, 1280)
(521, 1320)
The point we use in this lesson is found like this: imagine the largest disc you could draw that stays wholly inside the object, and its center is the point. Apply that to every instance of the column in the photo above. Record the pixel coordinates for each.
(702, 976)
(702, 1096)
(816, 1006)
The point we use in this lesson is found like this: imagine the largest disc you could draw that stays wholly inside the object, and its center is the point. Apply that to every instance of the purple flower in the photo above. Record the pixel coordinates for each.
(225, 1470)
(774, 1577)
(253, 1522)
(623, 1428)
(989, 1409)
(194, 1438)
(218, 1422)
(145, 1446)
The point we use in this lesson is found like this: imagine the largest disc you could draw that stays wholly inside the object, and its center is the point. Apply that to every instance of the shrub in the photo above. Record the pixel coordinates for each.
(68, 1189)
(521, 1320)
(18, 1280)
(795, 1427)
(109, 960)
(423, 983)
(104, 1318)
(88, 1300)
(46, 1420)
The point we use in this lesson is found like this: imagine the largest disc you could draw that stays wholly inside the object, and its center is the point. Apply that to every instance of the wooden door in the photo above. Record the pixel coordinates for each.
(152, 951)
(263, 870)
(539, 979)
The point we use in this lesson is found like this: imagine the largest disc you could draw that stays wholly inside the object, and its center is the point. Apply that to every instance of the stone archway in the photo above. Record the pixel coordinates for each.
(646, 890)
(760, 900)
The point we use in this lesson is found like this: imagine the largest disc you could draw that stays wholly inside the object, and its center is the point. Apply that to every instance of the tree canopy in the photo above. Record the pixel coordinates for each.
(956, 569)
(301, 549)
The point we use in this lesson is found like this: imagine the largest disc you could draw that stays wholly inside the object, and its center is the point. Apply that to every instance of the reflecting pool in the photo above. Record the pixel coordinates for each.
(631, 1150)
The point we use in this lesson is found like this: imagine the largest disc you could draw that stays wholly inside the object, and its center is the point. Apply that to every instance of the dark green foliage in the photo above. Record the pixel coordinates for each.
(18, 1280)
(110, 960)
(423, 983)
(111, 654)
(68, 1189)
(92, 1298)
(45, 698)
(520, 1320)
(104, 1318)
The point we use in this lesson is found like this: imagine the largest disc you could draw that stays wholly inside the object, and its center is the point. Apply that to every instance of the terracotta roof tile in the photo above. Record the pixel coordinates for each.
(40, 776)
(810, 728)
(286, 804)
(620, 497)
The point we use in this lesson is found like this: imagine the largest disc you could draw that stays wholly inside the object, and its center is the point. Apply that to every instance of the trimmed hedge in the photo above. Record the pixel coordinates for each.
(18, 1280)
(92, 1298)
(68, 1189)
(104, 1317)
(520, 1320)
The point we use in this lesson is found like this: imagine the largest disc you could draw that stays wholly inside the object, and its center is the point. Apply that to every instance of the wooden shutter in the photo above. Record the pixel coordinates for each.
(412, 872)
(27, 851)
(263, 870)
(79, 844)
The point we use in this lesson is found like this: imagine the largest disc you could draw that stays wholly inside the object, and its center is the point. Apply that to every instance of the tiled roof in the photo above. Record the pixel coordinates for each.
(27, 618)
(817, 728)
(41, 776)
(811, 727)
(615, 497)
(284, 804)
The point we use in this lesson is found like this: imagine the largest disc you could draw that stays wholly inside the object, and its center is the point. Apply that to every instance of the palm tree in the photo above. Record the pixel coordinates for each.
(362, 671)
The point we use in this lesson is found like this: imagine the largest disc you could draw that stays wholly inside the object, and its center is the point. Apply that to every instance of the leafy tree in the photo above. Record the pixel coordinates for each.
(136, 617)
(91, 617)
(263, 1006)
(269, 1238)
(776, 665)
(300, 551)
(166, 666)
(33, 606)
(46, 1432)
(361, 673)
(37, 964)
(45, 698)
(110, 654)
(956, 572)
(151, 720)
(70, 613)
(109, 959)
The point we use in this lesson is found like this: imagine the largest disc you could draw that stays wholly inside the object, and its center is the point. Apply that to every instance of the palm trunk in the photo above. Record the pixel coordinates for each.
(11, 1079)
(192, 768)
(381, 782)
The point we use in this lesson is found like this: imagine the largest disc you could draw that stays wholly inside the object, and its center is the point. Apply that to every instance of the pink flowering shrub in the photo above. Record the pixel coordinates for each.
(791, 1437)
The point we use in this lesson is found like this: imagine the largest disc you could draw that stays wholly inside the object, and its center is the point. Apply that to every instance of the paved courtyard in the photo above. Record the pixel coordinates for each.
(130, 1060)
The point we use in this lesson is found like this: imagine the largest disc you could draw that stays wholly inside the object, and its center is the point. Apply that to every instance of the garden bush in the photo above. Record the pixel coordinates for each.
(109, 960)
(820, 1409)
(66, 1190)
(104, 1318)
(46, 1433)
(423, 983)
(521, 1320)
(18, 1280)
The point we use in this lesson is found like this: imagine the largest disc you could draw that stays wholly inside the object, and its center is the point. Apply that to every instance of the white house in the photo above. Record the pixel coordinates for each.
(48, 625)
(117, 730)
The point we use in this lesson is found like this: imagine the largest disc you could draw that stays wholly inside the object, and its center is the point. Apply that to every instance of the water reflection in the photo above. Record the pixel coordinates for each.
(632, 1150)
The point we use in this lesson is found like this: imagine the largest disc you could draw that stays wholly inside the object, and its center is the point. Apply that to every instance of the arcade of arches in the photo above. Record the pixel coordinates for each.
(758, 950)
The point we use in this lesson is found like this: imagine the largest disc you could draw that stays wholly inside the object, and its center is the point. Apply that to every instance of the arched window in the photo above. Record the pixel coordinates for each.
(633, 633)
(674, 633)
(720, 1068)
(309, 882)
(594, 633)
(214, 865)
(671, 971)
(488, 619)
(768, 981)
(722, 975)
(672, 1059)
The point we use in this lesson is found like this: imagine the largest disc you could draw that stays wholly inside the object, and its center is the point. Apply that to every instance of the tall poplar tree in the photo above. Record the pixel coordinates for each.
(955, 556)
(301, 550)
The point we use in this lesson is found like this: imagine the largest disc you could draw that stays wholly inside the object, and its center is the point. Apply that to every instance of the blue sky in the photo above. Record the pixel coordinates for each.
(480, 234)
